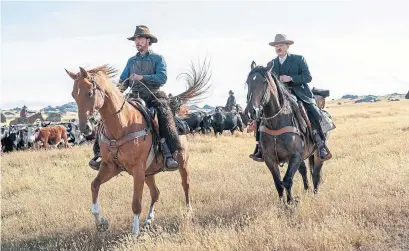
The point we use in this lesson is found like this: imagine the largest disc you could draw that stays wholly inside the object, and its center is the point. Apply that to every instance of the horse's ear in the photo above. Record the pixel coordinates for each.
(253, 65)
(271, 68)
(84, 73)
(71, 74)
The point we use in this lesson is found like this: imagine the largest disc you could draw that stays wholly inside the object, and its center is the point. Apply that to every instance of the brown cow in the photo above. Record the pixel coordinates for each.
(51, 134)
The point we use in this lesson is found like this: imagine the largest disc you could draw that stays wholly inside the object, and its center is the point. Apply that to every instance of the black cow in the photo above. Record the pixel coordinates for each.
(9, 139)
(198, 120)
(223, 120)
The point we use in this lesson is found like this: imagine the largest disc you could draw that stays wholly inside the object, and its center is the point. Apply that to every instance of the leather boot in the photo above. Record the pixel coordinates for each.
(94, 163)
(323, 151)
(255, 151)
(258, 154)
(170, 163)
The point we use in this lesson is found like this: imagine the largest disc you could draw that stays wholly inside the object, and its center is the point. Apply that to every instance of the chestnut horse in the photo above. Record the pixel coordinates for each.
(129, 135)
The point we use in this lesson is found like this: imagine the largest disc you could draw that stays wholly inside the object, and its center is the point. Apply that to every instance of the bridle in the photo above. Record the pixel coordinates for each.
(95, 88)
(264, 100)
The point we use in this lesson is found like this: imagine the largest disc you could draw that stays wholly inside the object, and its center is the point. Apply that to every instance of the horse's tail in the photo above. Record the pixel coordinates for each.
(197, 82)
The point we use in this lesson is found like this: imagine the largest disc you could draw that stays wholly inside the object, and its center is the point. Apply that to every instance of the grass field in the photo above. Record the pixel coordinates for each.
(363, 202)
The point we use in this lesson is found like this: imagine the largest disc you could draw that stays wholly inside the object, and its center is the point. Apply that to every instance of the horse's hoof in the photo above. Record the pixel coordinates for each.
(103, 224)
(135, 232)
(147, 222)
(294, 201)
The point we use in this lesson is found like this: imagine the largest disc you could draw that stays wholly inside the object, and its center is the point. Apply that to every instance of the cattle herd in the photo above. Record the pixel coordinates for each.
(41, 134)
(46, 134)
(218, 121)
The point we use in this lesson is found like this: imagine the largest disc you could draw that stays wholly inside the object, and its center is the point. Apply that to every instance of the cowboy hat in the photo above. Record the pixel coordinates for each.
(231, 92)
(281, 39)
(143, 31)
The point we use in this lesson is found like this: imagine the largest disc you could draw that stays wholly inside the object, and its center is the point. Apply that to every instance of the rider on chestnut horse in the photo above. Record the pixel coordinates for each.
(145, 73)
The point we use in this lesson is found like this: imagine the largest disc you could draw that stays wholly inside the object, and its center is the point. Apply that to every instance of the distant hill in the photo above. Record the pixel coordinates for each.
(193, 107)
(349, 96)
(208, 107)
(69, 107)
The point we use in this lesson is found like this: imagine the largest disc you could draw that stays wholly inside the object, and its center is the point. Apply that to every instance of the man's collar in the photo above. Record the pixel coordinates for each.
(146, 54)
(286, 55)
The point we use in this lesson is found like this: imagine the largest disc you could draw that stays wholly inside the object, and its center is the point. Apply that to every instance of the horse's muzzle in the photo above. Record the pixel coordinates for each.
(253, 112)
(85, 128)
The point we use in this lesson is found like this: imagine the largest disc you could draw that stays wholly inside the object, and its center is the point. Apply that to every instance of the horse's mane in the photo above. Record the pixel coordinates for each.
(106, 69)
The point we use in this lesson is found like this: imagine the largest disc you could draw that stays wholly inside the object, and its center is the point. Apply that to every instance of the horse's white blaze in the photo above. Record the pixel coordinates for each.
(135, 227)
(255, 76)
(78, 91)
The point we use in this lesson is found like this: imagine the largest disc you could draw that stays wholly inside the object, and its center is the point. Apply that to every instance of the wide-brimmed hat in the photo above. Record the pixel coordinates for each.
(143, 31)
(281, 39)
(231, 92)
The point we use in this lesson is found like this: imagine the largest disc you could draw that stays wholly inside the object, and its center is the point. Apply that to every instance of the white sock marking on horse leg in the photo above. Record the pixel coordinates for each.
(135, 227)
(95, 208)
(151, 215)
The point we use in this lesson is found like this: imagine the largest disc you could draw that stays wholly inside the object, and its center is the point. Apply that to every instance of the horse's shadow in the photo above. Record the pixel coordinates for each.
(90, 239)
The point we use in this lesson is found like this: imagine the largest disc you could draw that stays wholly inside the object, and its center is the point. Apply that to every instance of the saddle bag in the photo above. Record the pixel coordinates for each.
(327, 124)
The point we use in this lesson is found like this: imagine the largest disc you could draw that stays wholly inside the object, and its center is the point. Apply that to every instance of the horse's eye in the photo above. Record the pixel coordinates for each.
(89, 94)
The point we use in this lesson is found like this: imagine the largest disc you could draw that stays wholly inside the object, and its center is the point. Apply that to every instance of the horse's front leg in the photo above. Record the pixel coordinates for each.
(275, 171)
(106, 172)
(293, 165)
(154, 191)
(138, 172)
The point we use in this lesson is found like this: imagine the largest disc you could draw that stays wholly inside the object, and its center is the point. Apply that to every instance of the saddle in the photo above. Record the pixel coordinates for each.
(150, 114)
(327, 123)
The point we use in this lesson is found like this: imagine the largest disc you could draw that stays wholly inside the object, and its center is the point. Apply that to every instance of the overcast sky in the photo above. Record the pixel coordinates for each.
(358, 47)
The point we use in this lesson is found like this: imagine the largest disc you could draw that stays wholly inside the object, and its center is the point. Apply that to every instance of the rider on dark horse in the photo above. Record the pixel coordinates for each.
(231, 102)
(293, 71)
(150, 69)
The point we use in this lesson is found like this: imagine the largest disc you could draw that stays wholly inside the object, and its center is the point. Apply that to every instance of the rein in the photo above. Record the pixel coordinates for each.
(264, 98)
(95, 86)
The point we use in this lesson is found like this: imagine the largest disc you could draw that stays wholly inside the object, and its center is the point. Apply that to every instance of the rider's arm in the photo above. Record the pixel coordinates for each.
(160, 75)
(123, 85)
(304, 77)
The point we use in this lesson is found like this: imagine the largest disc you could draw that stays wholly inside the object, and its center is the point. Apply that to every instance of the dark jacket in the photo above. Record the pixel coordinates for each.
(296, 67)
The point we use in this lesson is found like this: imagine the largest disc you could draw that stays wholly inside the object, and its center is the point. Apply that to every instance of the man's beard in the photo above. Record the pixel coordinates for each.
(140, 48)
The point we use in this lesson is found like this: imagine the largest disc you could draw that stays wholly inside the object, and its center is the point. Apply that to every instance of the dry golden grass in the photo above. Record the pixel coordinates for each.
(363, 203)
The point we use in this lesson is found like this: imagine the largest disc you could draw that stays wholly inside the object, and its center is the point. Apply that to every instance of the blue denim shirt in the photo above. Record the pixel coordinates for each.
(160, 75)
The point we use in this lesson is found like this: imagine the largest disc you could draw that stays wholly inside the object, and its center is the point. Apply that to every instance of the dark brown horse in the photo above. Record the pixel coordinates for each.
(283, 139)
(127, 138)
